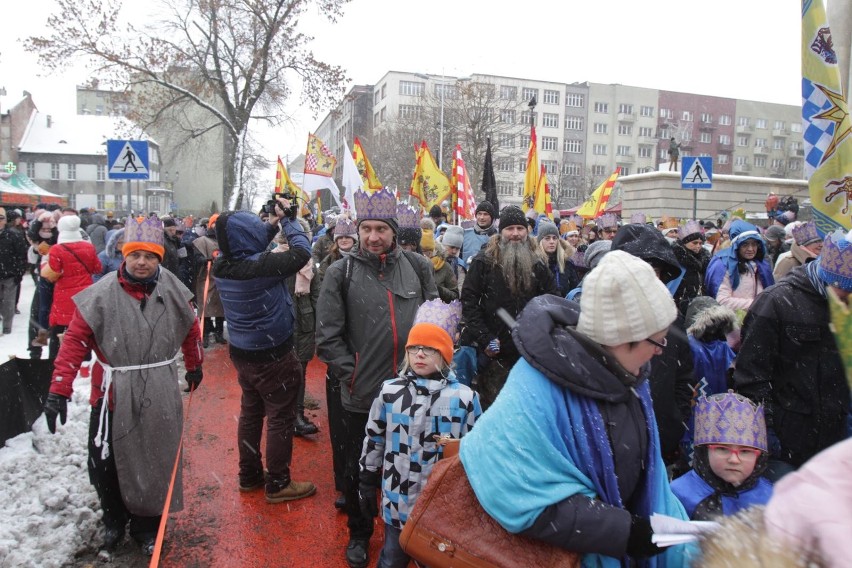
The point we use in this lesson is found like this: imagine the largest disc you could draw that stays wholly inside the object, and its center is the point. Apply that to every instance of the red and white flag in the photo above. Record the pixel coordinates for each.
(463, 201)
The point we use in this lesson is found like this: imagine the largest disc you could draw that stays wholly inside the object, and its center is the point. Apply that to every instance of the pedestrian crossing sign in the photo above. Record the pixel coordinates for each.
(696, 172)
(127, 159)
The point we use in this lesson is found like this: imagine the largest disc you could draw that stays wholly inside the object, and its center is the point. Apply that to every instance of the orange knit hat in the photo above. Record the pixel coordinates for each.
(434, 336)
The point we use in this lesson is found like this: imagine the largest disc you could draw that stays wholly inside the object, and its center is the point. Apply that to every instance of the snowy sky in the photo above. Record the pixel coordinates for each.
(731, 48)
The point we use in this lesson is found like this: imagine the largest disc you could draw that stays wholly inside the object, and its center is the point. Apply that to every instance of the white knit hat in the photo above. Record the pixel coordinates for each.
(69, 229)
(624, 301)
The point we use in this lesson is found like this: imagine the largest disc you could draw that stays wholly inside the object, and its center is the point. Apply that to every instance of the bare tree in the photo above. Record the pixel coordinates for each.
(233, 60)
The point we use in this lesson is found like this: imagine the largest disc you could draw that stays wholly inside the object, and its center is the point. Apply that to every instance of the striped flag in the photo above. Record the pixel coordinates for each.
(827, 129)
(597, 203)
(542, 205)
(462, 202)
(531, 177)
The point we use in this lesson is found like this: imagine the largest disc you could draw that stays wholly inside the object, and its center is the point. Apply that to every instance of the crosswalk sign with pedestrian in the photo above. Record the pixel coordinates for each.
(696, 172)
(127, 159)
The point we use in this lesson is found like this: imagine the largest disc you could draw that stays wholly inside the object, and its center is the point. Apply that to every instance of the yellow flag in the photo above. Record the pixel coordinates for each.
(597, 203)
(368, 174)
(827, 127)
(531, 177)
(429, 185)
(542, 204)
(319, 159)
(283, 184)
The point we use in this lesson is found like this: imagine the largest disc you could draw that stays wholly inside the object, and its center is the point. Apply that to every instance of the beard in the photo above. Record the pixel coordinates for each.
(517, 260)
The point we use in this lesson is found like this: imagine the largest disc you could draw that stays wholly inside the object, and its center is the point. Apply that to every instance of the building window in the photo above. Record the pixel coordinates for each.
(602, 108)
(507, 116)
(505, 164)
(550, 167)
(724, 139)
(573, 123)
(664, 154)
(504, 188)
(409, 111)
(706, 117)
(551, 97)
(760, 142)
(625, 171)
(778, 144)
(383, 115)
(30, 170)
(54, 171)
(522, 165)
(725, 120)
(101, 172)
(525, 141)
(376, 98)
(505, 140)
(646, 151)
(549, 143)
(646, 131)
(576, 100)
(72, 172)
(600, 128)
(624, 108)
(599, 149)
(572, 146)
(777, 163)
(794, 165)
(646, 110)
(796, 127)
(72, 200)
(101, 201)
(598, 170)
(508, 93)
(376, 119)
(412, 88)
(760, 123)
(622, 150)
(742, 161)
(528, 117)
(550, 120)
(723, 158)
(384, 91)
(571, 169)
(664, 133)
(666, 113)
(780, 125)
(625, 129)
(759, 162)
(448, 91)
(528, 93)
(743, 121)
(705, 138)
(686, 116)
(742, 141)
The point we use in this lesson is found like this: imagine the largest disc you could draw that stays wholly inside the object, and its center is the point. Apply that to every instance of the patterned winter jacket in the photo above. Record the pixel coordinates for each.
(404, 420)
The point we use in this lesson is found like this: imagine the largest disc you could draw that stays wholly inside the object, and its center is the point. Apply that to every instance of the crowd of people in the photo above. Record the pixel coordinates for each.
(596, 371)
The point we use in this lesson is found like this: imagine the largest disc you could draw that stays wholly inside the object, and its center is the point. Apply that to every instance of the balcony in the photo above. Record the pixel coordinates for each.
(761, 151)
(706, 126)
(745, 129)
(742, 168)
(800, 152)
(647, 140)
(725, 148)
(625, 158)
(780, 132)
(627, 117)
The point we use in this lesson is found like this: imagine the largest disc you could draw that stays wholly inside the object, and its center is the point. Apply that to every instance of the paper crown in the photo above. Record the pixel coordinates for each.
(578, 259)
(668, 222)
(467, 223)
(446, 316)
(568, 228)
(380, 205)
(638, 218)
(835, 262)
(344, 227)
(691, 227)
(143, 230)
(806, 234)
(729, 418)
(407, 216)
(607, 221)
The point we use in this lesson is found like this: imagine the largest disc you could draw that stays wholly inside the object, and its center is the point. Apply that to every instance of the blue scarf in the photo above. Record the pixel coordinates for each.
(811, 271)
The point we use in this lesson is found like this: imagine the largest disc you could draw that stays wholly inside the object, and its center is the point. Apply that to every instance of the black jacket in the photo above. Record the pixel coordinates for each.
(484, 292)
(692, 284)
(789, 361)
(13, 254)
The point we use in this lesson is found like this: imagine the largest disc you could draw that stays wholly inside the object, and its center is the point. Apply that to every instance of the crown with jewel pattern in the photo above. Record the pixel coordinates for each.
(806, 234)
(638, 218)
(730, 418)
(835, 262)
(607, 221)
(380, 205)
(407, 217)
(692, 227)
(344, 227)
(446, 316)
(143, 234)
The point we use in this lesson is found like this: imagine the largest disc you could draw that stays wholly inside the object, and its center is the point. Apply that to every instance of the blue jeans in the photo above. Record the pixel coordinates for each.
(392, 555)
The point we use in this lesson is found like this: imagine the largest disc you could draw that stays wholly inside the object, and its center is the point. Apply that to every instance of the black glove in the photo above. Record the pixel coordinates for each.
(193, 379)
(367, 489)
(56, 404)
(639, 543)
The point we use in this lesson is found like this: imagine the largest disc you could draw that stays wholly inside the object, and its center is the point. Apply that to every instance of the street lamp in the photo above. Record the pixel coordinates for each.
(441, 130)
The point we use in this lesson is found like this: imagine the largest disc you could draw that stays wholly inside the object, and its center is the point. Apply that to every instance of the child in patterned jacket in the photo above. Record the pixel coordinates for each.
(408, 420)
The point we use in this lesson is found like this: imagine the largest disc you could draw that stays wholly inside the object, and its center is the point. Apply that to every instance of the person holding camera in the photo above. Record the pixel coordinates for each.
(259, 311)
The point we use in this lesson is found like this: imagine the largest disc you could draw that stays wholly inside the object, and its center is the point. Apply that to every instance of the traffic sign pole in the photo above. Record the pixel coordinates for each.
(695, 203)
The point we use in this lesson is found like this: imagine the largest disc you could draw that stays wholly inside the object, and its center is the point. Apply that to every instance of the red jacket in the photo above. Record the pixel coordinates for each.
(79, 340)
(74, 263)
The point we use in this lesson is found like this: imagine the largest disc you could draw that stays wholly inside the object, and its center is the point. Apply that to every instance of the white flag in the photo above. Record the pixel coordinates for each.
(352, 182)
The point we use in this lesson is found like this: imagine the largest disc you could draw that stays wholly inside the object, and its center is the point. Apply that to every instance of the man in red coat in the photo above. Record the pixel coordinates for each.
(135, 319)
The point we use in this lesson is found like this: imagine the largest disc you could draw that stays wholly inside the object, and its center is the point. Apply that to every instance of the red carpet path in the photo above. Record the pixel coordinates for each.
(219, 525)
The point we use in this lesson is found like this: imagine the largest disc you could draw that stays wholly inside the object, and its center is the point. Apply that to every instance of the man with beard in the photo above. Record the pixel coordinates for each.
(507, 273)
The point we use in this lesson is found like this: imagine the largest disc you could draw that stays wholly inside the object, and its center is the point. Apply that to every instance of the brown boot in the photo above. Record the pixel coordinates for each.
(296, 490)
(40, 339)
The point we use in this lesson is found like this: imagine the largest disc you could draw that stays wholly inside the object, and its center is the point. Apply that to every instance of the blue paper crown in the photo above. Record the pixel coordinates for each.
(379, 205)
(149, 230)
(407, 216)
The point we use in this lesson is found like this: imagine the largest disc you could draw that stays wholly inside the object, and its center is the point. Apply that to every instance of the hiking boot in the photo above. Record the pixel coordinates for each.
(340, 502)
(219, 337)
(205, 341)
(146, 544)
(112, 538)
(40, 339)
(304, 427)
(356, 553)
(295, 490)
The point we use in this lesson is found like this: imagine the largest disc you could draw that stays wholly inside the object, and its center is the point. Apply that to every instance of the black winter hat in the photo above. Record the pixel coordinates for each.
(408, 236)
(487, 208)
(169, 222)
(436, 211)
(512, 215)
(649, 244)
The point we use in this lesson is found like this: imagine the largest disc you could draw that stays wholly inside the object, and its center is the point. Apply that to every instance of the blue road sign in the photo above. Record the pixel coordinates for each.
(127, 159)
(696, 172)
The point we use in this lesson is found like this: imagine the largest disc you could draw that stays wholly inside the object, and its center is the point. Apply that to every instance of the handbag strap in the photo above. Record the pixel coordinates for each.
(86, 268)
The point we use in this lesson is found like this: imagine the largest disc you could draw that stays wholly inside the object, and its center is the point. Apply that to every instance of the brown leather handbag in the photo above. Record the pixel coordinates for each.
(448, 528)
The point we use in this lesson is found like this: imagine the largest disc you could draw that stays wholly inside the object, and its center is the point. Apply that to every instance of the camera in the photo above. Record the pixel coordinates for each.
(269, 207)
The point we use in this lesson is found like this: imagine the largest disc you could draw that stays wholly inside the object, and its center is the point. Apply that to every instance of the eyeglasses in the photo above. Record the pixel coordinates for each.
(428, 351)
(725, 452)
(661, 343)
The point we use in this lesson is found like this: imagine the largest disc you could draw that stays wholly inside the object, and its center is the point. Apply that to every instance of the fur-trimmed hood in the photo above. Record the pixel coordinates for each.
(706, 318)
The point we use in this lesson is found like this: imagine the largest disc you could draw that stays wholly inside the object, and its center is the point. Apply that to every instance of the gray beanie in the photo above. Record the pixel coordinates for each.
(546, 228)
(595, 252)
(453, 237)
(775, 233)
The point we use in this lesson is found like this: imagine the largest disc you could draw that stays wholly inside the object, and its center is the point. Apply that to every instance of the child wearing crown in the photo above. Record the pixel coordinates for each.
(730, 458)
(409, 421)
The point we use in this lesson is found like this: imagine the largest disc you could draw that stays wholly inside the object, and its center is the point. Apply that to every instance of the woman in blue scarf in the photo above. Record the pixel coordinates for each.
(569, 451)
(736, 275)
